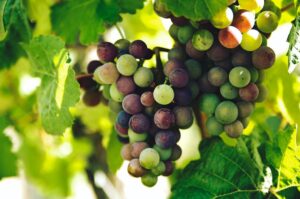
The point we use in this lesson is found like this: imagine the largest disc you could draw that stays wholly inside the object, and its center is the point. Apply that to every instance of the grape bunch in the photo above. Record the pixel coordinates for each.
(227, 56)
(150, 104)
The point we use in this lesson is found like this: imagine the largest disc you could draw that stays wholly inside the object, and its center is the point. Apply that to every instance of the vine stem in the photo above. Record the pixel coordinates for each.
(120, 31)
(287, 7)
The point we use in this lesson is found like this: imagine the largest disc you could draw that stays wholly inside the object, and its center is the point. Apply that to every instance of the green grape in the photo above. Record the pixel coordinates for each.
(228, 91)
(164, 154)
(185, 33)
(159, 169)
(239, 77)
(254, 74)
(115, 94)
(106, 91)
(251, 40)
(143, 77)
(149, 158)
(122, 44)
(267, 21)
(107, 73)
(222, 19)
(194, 68)
(149, 180)
(235, 129)
(208, 103)
(202, 40)
(226, 112)
(127, 65)
(173, 31)
(245, 109)
(194, 87)
(214, 127)
(136, 137)
(252, 5)
(163, 94)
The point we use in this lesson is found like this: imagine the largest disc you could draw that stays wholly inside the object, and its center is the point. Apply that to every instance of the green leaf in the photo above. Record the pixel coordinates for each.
(87, 19)
(8, 160)
(195, 9)
(222, 172)
(114, 159)
(14, 28)
(59, 89)
(294, 49)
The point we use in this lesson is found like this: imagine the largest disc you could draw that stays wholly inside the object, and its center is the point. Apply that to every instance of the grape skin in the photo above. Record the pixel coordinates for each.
(131, 104)
(149, 158)
(127, 65)
(164, 118)
(230, 37)
(163, 94)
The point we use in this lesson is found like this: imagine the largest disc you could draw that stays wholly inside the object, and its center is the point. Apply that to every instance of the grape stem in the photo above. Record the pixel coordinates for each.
(159, 65)
(120, 31)
(287, 7)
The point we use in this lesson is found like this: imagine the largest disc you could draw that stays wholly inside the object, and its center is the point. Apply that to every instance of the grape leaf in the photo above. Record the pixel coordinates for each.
(59, 89)
(222, 172)
(14, 28)
(294, 49)
(8, 160)
(114, 159)
(195, 9)
(87, 19)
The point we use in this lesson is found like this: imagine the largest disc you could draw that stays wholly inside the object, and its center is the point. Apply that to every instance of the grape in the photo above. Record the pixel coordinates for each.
(159, 169)
(127, 65)
(122, 131)
(263, 58)
(86, 82)
(176, 53)
(169, 168)
(149, 158)
(147, 99)
(208, 103)
(217, 76)
(131, 104)
(123, 119)
(149, 111)
(114, 106)
(125, 85)
(149, 54)
(123, 140)
(214, 127)
(245, 109)
(252, 40)
(161, 9)
(106, 91)
(163, 94)
(173, 31)
(138, 49)
(193, 52)
(137, 148)
(107, 73)
(245, 122)
(92, 97)
(136, 137)
(263, 92)
(179, 21)
(241, 58)
(205, 85)
(222, 19)
(235, 129)
(228, 91)
(261, 76)
(165, 139)
(194, 68)
(122, 44)
(143, 77)
(183, 96)
(107, 52)
(226, 112)
(92, 66)
(176, 134)
(252, 5)
(249, 93)
(171, 65)
(202, 40)
(185, 33)
(217, 52)
(230, 37)
(164, 154)
(176, 153)
(183, 117)
(115, 94)
(149, 180)
(244, 20)
(254, 74)
(267, 21)
(239, 77)
(179, 78)
(164, 118)
(126, 152)
(194, 88)
(135, 169)
(225, 64)
(139, 123)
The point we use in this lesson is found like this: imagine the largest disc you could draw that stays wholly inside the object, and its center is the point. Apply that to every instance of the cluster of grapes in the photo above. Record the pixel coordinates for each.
(230, 53)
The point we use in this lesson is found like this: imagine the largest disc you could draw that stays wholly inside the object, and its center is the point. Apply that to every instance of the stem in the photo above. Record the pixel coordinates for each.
(287, 7)
(159, 66)
(120, 32)
(100, 194)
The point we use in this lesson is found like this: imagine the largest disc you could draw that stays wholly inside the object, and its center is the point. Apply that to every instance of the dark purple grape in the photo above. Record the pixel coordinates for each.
(92, 66)
(164, 118)
(263, 58)
(183, 96)
(205, 86)
(126, 152)
(169, 168)
(126, 85)
(123, 132)
(135, 169)
(86, 81)
(138, 49)
(124, 140)
(147, 99)
(123, 119)
(92, 97)
(172, 64)
(165, 139)
(139, 123)
(179, 21)
(241, 58)
(249, 93)
(193, 52)
(137, 148)
(132, 104)
(179, 78)
(149, 54)
(217, 52)
(183, 116)
(107, 52)
(176, 153)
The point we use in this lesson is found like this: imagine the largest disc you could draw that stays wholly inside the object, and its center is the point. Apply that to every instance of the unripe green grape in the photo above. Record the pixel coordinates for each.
(208, 103)
(177, 53)
(159, 169)
(222, 19)
(252, 5)
(239, 77)
(235, 129)
(254, 74)
(143, 77)
(245, 109)
(226, 112)
(136, 137)
(149, 158)
(122, 44)
(214, 127)
(163, 94)
(106, 91)
(263, 93)
(149, 180)
(252, 40)
(267, 21)
(164, 154)
(115, 94)
(185, 33)
(194, 68)
(173, 31)
(228, 91)
(202, 40)
(127, 65)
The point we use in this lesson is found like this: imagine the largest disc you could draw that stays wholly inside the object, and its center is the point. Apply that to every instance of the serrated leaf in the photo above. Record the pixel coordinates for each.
(195, 9)
(59, 89)
(294, 49)
(222, 172)
(87, 19)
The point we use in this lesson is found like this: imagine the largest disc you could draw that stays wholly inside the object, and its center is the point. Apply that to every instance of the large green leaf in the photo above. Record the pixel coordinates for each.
(59, 89)
(87, 19)
(195, 9)
(222, 172)
(294, 49)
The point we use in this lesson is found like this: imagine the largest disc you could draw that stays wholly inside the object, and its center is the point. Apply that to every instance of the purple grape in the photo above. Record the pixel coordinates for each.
(123, 132)
(123, 119)
(217, 52)
(135, 169)
(179, 21)
(107, 52)
(164, 118)
(124, 140)
(86, 81)
(249, 93)
(183, 96)
(205, 86)
(149, 54)
(137, 148)
(171, 65)
(138, 49)
(169, 168)
(176, 153)
(92, 97)
(126, 85)
(92, 66)
(126, 152)
(147, 99)
(179, 78)
(263, 58)
(165, 139)
(184, 116)
(193, 52)
(139, 123)
(241, 58)
(132, 104)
